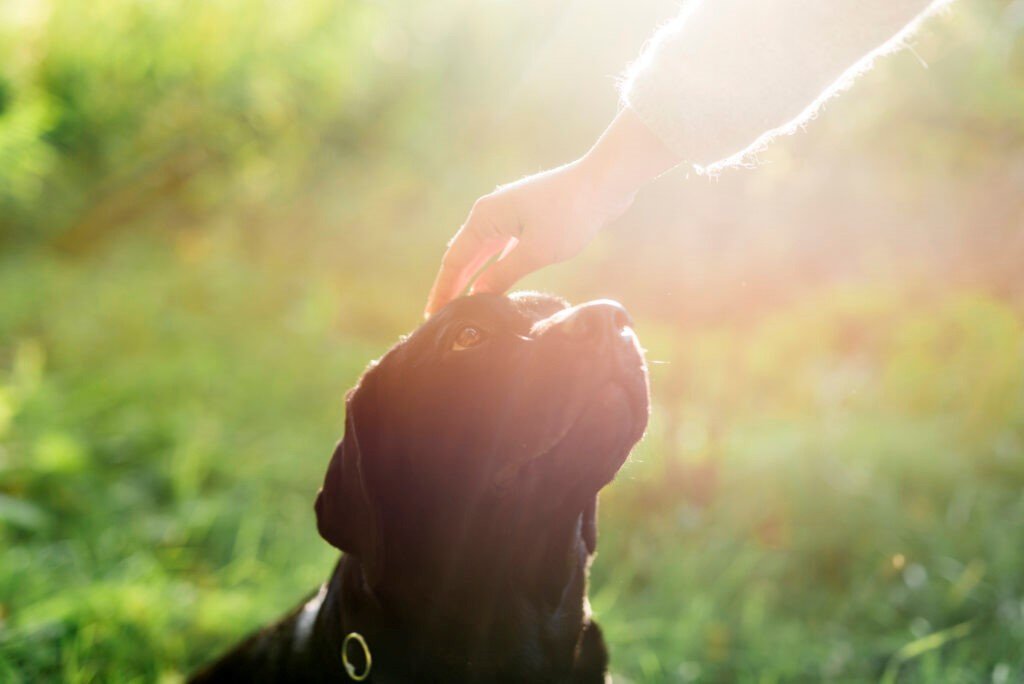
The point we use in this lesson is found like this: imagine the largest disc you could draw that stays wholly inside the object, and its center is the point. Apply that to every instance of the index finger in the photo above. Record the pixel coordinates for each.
(466, 253)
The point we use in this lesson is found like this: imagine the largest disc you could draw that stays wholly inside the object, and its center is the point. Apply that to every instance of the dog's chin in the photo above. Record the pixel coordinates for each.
(613, 421)
(595, 445)
(594, 442)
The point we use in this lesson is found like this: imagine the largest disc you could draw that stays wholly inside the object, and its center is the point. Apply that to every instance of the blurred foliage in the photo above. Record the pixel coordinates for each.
(214, 214)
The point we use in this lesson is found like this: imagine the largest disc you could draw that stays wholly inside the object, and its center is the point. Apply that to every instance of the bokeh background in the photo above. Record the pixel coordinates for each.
(214, 213)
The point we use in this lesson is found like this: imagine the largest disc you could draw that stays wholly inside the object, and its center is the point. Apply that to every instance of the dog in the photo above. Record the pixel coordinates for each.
(464, 497)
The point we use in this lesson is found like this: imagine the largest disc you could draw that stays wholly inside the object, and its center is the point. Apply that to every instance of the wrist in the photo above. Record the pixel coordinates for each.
(627, 156)
(605, 182)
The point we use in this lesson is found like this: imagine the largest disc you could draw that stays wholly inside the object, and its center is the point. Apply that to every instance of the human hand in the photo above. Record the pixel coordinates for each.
(537, 221)
(551, 216)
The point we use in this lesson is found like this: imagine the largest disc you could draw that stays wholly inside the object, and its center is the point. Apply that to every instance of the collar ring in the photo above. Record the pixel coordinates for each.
(351, 669)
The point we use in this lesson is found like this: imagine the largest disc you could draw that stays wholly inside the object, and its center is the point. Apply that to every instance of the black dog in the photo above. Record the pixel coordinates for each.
(464, 495)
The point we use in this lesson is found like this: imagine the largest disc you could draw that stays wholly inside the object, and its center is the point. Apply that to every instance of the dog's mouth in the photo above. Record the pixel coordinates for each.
(599, 432)
(611, 422)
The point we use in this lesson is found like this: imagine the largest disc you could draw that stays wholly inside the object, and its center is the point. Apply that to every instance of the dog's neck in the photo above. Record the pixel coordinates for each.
(532, 628)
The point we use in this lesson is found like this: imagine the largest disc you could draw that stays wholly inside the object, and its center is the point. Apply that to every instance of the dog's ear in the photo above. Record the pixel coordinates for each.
(588, 525)
(345, 514)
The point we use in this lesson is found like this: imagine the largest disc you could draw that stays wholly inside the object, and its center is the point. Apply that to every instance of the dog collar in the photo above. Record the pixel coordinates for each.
(350, 669)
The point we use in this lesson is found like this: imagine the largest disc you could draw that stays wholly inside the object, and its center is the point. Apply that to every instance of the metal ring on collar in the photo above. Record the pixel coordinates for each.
(349, 667)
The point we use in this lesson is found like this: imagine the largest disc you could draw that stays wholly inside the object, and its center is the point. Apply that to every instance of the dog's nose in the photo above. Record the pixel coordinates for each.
(596, 320)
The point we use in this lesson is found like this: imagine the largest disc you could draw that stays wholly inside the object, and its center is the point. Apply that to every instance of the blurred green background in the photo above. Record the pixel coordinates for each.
(214, 214)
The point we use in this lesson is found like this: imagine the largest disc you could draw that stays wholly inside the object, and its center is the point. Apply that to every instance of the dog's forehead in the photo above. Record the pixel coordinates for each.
(536, 306)
(518, 310)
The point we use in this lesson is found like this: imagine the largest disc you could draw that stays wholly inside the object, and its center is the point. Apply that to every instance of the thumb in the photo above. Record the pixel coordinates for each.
(506, 271)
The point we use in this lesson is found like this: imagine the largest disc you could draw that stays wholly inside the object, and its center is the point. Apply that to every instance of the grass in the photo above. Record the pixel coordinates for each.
(830, 493)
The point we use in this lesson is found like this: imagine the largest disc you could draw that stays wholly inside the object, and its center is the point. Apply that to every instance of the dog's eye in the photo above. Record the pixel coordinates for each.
(470, 336)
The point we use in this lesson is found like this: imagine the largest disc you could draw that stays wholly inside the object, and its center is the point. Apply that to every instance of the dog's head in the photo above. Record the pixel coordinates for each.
(483, 438)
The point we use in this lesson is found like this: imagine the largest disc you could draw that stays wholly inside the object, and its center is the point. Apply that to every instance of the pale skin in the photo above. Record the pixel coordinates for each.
(550, 216)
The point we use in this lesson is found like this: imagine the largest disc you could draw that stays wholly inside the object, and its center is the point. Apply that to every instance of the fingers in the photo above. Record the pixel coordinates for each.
(506, 271)
(468, 251)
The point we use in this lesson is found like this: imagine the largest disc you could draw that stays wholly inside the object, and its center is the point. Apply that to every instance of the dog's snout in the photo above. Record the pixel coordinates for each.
(594, 321)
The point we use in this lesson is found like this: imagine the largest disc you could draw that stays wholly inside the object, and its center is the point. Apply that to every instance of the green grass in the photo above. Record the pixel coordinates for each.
(831, 493)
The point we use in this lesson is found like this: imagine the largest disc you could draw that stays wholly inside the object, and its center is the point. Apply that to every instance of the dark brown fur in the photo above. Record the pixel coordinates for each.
(464, 496)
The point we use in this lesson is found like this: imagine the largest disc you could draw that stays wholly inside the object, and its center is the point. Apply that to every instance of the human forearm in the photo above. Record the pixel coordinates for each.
(722, 78)
(728, 73)
(626, 156)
